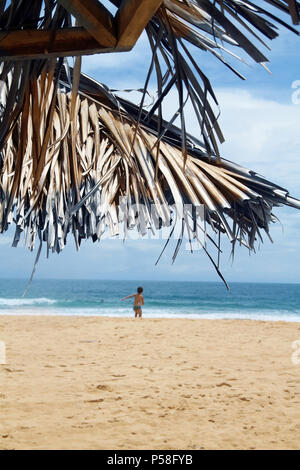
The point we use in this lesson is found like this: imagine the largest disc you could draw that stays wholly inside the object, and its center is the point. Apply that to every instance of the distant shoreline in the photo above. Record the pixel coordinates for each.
(264, 319)
(266, 302)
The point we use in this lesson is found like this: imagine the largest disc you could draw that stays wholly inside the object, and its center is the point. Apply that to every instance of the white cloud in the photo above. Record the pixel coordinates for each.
(261, 134)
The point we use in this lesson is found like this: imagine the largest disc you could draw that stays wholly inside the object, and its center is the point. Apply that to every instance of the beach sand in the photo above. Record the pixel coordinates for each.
(112, 383)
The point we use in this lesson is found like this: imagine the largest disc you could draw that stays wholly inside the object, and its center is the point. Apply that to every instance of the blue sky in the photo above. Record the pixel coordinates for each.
(261, 126)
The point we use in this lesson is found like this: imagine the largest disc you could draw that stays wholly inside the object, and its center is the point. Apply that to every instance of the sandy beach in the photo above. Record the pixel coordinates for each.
(112, 383)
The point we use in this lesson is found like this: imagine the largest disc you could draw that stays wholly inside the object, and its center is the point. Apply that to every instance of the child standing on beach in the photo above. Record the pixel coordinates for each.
(138, 302)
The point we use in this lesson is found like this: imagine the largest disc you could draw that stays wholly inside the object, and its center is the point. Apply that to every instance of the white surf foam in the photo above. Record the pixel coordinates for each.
(24, 302)
(36, 309)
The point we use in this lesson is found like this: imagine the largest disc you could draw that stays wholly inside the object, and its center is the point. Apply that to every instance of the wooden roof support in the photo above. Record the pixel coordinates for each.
(98, 31)
(95, 18)
(39, 43)
(293, 11)
(132, 17)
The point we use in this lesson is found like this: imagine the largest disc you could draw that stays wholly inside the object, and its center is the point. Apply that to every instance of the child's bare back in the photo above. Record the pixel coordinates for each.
(138, 302)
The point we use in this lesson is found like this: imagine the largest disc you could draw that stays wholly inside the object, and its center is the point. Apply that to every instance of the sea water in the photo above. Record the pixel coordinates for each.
(163, 299)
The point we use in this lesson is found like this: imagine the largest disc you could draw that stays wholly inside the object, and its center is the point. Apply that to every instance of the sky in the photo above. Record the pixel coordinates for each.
(260, 119)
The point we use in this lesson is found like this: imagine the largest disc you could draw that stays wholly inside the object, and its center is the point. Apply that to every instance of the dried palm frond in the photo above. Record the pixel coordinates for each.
(76, 158)
(215, 26)
(85, 168)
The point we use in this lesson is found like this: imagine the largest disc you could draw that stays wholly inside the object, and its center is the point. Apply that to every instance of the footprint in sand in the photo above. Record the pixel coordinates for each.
(104, 388)
(98, 400)
(223, 384)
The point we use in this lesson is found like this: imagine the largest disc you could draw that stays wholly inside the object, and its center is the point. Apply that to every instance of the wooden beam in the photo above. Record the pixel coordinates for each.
(95, 18)
(132, 17)
(39, 43)
(294, 12)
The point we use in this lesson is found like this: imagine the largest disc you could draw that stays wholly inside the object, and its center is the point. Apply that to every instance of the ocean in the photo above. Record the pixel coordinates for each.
(163, 299)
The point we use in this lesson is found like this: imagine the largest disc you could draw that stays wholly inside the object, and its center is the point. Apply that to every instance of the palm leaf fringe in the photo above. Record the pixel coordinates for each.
(75, 158)
(216, 26)
(83, 166)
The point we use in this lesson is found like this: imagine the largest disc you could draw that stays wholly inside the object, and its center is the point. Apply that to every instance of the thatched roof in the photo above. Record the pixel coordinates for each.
(71, 149)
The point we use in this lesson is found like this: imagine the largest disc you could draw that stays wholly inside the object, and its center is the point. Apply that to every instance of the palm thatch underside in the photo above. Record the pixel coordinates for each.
(76, 158)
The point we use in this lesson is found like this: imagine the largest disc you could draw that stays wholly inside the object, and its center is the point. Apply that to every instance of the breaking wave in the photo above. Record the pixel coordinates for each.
(24, 302)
